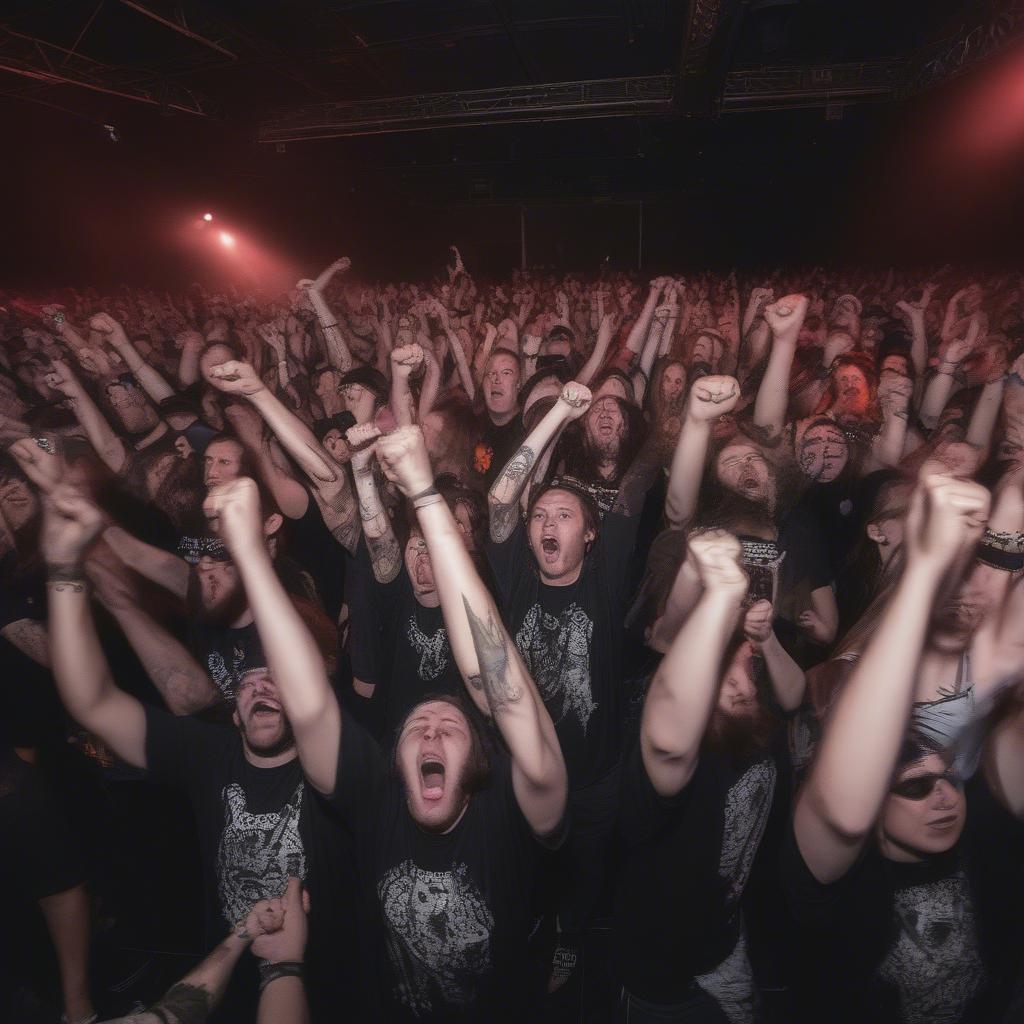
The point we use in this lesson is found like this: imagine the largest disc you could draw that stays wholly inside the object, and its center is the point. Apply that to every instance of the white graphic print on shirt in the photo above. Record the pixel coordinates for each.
(556, 651)
(433, 650)
(935, 963)
(257, 852)
(746, 814)
(438, 935)
(225, 678)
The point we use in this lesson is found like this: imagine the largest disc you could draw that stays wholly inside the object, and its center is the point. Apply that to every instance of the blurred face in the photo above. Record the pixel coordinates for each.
(605, 425)
(260, 717)
(222, 462)
(326, 384)
(132, 408)
(705, 350)
(547, 387)
(742, 469)
(501, 385)
(359, 401)
(557, 346)
(421, 571)
(559, 536)
(958, 618)
(433, 755)
(18, 502)
(222, 599)
(823, 453)
(852, 392)
(923, 817)
(615, 387)
(737, 696)
(673, 380)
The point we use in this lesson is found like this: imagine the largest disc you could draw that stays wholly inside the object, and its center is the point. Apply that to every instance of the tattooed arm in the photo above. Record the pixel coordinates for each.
(327, 477)
(385, 553)
(503, 497)
(29, 636)
(488, 660)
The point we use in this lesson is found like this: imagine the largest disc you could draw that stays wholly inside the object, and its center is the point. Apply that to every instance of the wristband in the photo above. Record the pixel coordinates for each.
(282, 969)
(425, 497)
(997, 558)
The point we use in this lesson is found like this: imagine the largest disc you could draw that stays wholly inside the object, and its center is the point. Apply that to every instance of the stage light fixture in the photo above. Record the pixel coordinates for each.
(227, 240)
(207, 217)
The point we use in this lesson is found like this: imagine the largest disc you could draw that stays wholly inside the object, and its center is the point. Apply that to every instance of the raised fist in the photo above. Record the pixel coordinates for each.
(403, 456)
(71, 522)
(106, 324)
(757, 623)
(786, 316)
(60, 378)
(406, 360)
(575, 400)
(233, 512)
(360, 440)
(235, 378)
(342, 264)
(946, 516)
(287, 943)
(712, 396)
(716, 556)
(40, 464)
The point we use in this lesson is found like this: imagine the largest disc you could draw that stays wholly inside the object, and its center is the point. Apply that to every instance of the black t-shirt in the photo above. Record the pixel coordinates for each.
(570, 639)
(455, 910)
(256, 827)
(916, 943)
(685, 862)
(226, 652)
(313, 546)
(494, 447)
(397, 645)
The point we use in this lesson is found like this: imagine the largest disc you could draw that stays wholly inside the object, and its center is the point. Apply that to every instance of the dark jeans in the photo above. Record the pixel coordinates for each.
(585, 859)
(699, 1008)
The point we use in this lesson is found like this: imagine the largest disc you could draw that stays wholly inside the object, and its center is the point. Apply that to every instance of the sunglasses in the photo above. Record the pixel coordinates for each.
(920, 786)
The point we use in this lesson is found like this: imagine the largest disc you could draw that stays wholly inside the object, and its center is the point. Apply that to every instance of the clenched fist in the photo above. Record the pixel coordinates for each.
(233, 512)
(575, 400)
(711, 397)
(403, 457)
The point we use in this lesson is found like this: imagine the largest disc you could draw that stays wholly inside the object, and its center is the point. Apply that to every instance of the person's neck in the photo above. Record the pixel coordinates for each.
(274, 761)
(607, 467)
(245, 619)
(937, 673)
(892, 849)
(501, 419)
(154, 435)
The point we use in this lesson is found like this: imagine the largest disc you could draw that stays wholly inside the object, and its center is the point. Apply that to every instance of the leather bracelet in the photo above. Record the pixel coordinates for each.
(282, 969)
(425, 493)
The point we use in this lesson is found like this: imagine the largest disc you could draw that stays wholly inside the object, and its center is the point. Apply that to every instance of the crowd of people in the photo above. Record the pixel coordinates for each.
(473, 619)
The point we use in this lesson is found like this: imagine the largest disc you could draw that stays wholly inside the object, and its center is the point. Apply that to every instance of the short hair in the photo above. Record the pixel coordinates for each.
(589, 507)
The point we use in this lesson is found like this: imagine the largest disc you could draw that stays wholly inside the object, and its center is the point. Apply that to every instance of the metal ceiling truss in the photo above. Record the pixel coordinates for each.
(556, 101)
(794, 87)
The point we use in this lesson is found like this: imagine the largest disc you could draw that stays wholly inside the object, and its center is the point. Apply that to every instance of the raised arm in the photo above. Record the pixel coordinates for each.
(710, 397)
(152, 382)
(108, 445)
(684, 688)
(161, 567)
(593, 365)
(941, 385)
(484, 653)
(404, 361)
(787, 679)
(385, 552)
(180, 679)
(507, 489)
(70, 525)
(785, 318)
(837, 807)
(293, 657)
(338, 354)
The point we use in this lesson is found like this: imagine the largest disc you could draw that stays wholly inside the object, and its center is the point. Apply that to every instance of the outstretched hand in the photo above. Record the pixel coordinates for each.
(945, 518)
(713, 396)
(38, 461)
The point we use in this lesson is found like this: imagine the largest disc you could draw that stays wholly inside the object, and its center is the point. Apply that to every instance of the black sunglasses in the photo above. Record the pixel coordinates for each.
(917, 787)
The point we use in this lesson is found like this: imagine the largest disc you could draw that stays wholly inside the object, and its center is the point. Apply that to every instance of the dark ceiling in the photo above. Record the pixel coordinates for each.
(749, 104)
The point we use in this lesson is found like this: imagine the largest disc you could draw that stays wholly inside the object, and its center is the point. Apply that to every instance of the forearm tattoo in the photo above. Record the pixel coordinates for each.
(183, 1004)
(510, 486)
(489, 641)
(66, 577)
(385, 556)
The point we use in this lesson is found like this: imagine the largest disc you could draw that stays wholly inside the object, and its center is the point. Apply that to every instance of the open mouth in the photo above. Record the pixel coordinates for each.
(263, 708)
(749, 483)
(549, 546)
(432, 776)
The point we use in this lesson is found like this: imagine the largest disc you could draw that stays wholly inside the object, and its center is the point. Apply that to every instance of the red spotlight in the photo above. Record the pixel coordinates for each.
(227, 239)
(207, 216)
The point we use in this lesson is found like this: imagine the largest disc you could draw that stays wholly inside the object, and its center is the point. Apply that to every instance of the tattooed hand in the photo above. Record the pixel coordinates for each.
(575, 400)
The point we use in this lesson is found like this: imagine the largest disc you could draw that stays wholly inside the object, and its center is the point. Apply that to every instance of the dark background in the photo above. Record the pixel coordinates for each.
(807, 182)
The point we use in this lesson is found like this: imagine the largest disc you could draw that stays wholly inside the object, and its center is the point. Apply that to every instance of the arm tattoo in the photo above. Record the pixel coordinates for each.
(503, 522)
(385, 557)
(66, 577)
(183, 1004)
(489, 640)
(514, 475)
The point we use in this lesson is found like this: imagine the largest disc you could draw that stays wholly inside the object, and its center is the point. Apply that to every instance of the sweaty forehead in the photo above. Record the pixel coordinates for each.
(558, 498)
(502, 361)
